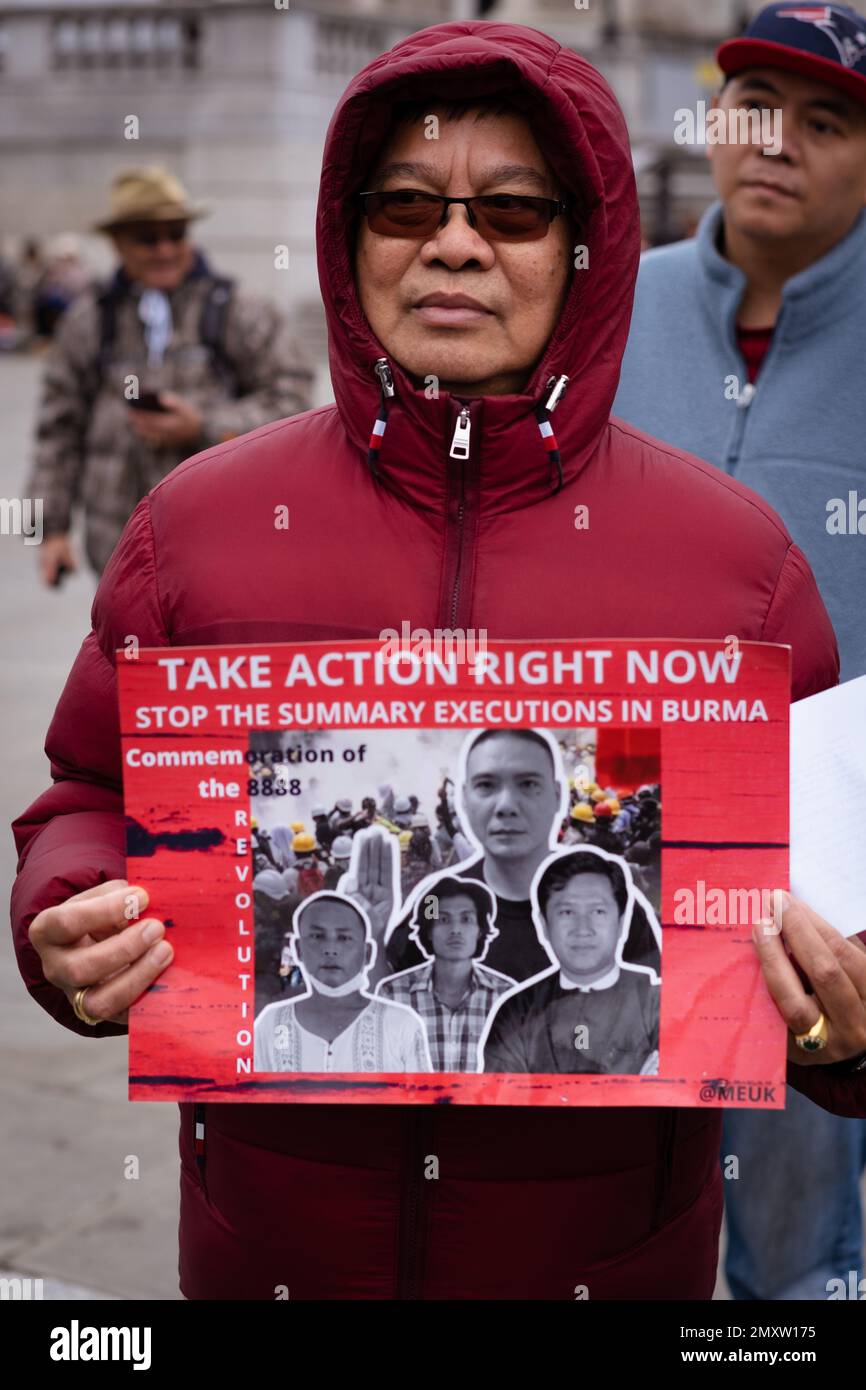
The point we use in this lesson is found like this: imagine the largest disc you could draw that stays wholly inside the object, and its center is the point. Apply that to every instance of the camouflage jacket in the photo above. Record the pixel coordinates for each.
(86, 452)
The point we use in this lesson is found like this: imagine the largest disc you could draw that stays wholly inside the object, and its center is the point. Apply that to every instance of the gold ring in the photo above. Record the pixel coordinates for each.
(79, 1009)
(816, 1038)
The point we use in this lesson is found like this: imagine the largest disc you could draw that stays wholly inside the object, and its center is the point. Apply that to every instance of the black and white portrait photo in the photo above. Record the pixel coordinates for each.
(590, 1011)
(337, 1025)
(383, 946)
(452, 991)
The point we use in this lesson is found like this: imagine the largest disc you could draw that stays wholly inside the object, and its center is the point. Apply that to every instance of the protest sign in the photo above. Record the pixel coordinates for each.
(522, 874)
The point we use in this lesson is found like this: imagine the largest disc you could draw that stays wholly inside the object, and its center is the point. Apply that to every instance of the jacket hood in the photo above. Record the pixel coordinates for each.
(580, 129)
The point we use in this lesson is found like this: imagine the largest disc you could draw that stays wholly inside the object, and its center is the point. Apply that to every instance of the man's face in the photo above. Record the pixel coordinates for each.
(454, 934)
(511, 796)
(583, 924)
(152, 254)
(813, 189)
(331, 941)
(518, 288)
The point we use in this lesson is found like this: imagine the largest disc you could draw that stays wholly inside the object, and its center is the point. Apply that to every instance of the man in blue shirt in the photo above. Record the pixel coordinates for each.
(747, 347)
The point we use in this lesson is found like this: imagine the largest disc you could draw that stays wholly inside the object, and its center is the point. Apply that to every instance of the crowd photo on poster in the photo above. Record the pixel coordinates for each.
(456, 903)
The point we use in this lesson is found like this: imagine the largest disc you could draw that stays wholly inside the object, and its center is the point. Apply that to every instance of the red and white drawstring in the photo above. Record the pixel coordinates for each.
(380, 424)
(559, 385)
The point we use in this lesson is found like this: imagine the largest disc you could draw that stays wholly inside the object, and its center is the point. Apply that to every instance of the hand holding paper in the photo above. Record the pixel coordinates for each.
(835, 968)
(93, 941)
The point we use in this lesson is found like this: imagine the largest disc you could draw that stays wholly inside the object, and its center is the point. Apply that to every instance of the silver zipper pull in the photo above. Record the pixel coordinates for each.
(746, 396)
(382, 369)
(460, 443)
(560, 386)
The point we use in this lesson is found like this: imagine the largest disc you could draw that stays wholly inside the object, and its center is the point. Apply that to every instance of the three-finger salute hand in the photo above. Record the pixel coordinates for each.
(98, 942)
(373, 885)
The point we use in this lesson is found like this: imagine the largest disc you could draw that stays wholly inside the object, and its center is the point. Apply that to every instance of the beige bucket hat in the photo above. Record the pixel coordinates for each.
(148, 194)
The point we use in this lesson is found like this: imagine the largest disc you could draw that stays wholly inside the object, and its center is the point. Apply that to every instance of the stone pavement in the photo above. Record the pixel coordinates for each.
(66, 1210)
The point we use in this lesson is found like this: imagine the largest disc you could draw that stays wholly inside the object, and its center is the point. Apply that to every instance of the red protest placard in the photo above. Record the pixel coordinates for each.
(508, 874)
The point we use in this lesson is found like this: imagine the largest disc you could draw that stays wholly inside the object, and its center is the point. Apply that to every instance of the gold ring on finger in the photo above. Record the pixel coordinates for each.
(80, 1011)
(816, 1038)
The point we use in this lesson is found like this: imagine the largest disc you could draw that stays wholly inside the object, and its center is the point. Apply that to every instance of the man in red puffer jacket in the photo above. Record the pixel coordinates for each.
(452, 327)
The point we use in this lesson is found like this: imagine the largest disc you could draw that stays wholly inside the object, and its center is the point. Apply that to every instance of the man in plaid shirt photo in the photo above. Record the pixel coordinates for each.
(452, 992)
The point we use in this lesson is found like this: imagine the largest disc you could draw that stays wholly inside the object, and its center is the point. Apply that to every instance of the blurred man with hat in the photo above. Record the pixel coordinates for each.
(166, 359)
(746, 348)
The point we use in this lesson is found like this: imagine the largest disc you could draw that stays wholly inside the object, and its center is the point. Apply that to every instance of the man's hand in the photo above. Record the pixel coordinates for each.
(99, 940)
(180, 423)
(55, 554)
(835, 968)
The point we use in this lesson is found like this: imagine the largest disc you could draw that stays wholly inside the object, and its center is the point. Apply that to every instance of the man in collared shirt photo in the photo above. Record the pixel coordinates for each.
(452, 992)
(589, 1012)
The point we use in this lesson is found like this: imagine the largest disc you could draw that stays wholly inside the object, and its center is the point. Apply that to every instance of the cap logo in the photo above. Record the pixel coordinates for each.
(843, 32)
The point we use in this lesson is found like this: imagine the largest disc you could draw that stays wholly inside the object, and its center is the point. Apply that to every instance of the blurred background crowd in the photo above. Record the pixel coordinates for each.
(234, 96)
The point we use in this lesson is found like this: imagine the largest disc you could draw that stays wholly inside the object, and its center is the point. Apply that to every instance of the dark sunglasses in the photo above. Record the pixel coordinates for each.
(152, 236)
(408, 212)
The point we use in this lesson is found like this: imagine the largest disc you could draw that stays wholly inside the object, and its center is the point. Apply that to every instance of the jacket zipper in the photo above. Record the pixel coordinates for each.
(420, 1124)
(198, 1133)
(411, 1242)
(745, 403)
(460, 449)
(664, 1172)
(747, 395)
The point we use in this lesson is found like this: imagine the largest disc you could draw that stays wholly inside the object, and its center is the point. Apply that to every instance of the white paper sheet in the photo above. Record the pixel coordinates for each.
(828, 804)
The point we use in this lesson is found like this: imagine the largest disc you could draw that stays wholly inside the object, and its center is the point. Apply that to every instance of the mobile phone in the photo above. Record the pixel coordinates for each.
(148, 400)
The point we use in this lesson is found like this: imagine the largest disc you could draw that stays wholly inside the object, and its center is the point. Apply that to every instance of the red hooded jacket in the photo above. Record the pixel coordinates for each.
(333, 1201)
